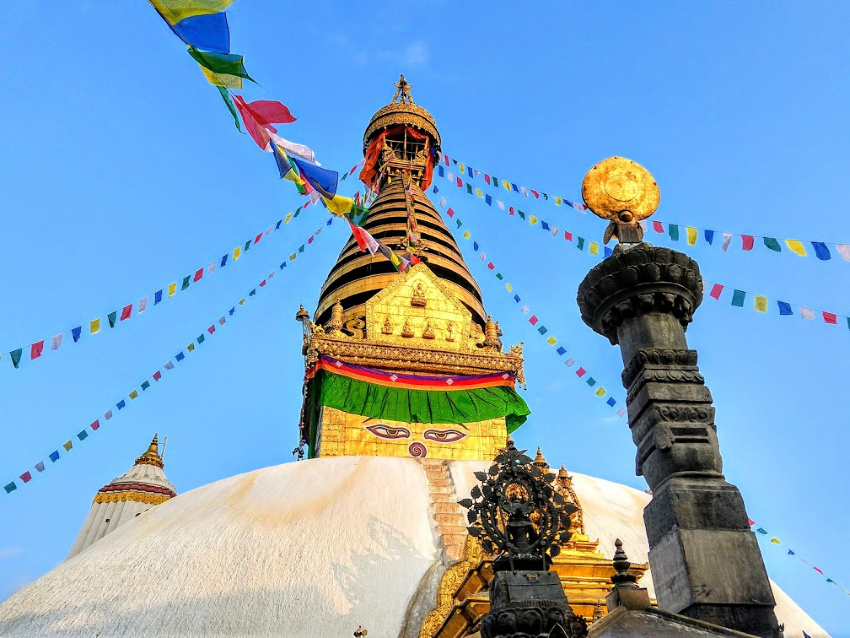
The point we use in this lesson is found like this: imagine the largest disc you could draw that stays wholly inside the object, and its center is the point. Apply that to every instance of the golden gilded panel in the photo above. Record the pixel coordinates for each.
(345, 434)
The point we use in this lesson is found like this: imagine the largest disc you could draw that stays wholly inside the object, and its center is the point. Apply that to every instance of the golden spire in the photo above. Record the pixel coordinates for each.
(151, 457)
(540, 462)
(402, 93)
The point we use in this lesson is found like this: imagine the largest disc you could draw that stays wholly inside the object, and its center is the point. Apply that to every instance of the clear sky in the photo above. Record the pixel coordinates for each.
(121, 172)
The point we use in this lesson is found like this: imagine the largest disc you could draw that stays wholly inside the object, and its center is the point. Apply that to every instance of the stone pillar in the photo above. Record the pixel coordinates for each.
(705, 561)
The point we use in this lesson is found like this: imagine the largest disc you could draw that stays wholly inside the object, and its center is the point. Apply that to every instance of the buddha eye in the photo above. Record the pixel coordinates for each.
(444, 436)
(388, 432)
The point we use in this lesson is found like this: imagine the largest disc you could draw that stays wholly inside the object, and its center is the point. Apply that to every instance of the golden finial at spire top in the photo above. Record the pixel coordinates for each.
(402, 92)
(151, 457)
(540, 461)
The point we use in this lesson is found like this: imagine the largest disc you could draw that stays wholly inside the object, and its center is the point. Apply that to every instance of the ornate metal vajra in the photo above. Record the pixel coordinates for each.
(517, 512)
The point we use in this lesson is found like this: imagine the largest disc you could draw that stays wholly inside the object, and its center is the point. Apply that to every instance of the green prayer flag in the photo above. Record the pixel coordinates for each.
(543, 330)
(247, 246)
(469, 188)
(580, 243)
(250, 294)
(225, 95)
(459, 223)
(761, 530)
(674, 231)
(771, 243)
(521, 214)
(111, 316)
(223, 63)
(200, 339)
(297, 211)
(185, 282)
(738, 298)
(16, 355)
(499, 276)
(146, 385)
(591, 381)
(301, 248)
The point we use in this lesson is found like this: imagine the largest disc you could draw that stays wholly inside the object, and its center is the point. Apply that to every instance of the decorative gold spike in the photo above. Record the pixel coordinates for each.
(151, 457)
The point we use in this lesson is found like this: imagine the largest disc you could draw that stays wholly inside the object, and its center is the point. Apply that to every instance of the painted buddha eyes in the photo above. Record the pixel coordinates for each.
(384, 431)
(388, 432)
(443, 436)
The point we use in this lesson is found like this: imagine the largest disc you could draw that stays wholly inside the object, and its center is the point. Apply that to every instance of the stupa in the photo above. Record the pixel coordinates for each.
(408, 393)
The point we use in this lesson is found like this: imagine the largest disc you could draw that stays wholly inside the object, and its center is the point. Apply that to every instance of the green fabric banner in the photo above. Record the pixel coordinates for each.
(420, 406)
(225, 95)
(227, 63)
(771, 243)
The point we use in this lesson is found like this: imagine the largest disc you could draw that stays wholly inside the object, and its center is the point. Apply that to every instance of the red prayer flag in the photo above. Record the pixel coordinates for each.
(268, 111)
(310, 240)
(568, 235)
(486, 178)
(262, 283)
(450, 212)
(36, 349)
(259, 134)
(126, 311)
(490, 265)
(511, 210)
(157, 375)
(446, 157)
(747, 242)
(26, 477)
(535, 193)
(198, 274)
(211, 329)
(657, 226)
(829, 317)
(581, 372)
(751, 522)
(96, 424)
(258, 238)
(351, 172)
(533, 320)
(459, 182)
(817, 569)
(716, 289)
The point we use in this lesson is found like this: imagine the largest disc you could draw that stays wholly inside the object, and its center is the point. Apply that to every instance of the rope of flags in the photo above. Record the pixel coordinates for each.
(535, 322)
(37, 349)
(692, 234)
(155, 378)
(762, 532)
(737, 298)
(761, 303)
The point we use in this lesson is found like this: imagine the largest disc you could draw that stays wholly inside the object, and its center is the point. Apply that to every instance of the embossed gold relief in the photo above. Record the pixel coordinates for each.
(131, 495)
(344, 434)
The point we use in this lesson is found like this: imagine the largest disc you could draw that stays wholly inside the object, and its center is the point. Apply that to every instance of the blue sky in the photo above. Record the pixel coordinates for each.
(121, 172)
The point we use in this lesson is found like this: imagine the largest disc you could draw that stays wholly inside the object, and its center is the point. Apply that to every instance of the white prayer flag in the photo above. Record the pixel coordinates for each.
(501, 204)
(299, 150)
(525, 310)
(143, 304)
(844, 251)
(807, 313)
(727, 237)
(211, 267)
(56, 341)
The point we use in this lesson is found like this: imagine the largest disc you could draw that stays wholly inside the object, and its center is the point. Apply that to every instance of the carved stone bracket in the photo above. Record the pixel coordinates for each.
(637, 280)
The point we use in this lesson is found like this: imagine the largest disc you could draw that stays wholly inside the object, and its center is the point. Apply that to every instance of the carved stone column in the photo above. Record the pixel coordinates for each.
(705, 561)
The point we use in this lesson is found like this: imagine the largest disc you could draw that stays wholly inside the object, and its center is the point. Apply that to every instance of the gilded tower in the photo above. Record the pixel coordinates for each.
(405, 361)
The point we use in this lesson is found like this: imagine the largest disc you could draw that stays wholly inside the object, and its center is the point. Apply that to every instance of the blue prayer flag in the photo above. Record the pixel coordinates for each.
(283, 265)
(441, 171)
(208, 32)
(514, 187)
(489, 200)
(608, 252)
(157, 297)
(223, 261)
(121, 404)
(435, 190)
(11, 487)
(180, 356)
(544, 225)
(330, 221)
(76, 332)
(474, 245)
(279, 222)
(516, 298)
(611, 401)
(231, 311)
(469, 171)
(821, 251)
(322, 179)
(561, 350)
(709, 236)
(790, 553)
(784, 308)
(54, 456)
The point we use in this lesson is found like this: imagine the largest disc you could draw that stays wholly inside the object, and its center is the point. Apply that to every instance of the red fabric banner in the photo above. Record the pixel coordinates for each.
(747, 242)
(126, 311)
(716, 289)
(36, 349)
(198, 274)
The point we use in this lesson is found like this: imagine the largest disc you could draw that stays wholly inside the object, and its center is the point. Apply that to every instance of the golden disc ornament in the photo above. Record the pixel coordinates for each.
(622, 191)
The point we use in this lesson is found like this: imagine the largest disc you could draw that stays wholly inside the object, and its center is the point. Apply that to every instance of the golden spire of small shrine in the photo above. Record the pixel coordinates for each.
(151, 457)
(402, 93)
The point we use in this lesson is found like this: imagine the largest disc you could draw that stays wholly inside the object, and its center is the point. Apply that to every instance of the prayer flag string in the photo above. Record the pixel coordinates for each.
(113, 319)
(823, 250)
(737, 298)
(156, 377)
(535, 321)
(761, 532)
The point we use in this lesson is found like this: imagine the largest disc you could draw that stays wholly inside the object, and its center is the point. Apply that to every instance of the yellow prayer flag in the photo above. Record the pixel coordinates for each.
(236, 252)
(796, 246)
(292, 257)
(94, 327)
(241, 301)
(594, 250)
(134, 394)
(558, 201)
(551, 341)
(190, 347)
(176, 10)
(462, 169)
(532, 220)
(478, 192)
(172, 288)
(466, 234)
(288, 217)
(339, 205)
(222, 79)
(775, 540)
(761, 303)
(509, 287)
(692, 235)
(506, 185)
(600, 392)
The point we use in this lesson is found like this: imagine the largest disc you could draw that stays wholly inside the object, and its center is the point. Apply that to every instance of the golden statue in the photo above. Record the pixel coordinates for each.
(623, 192)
